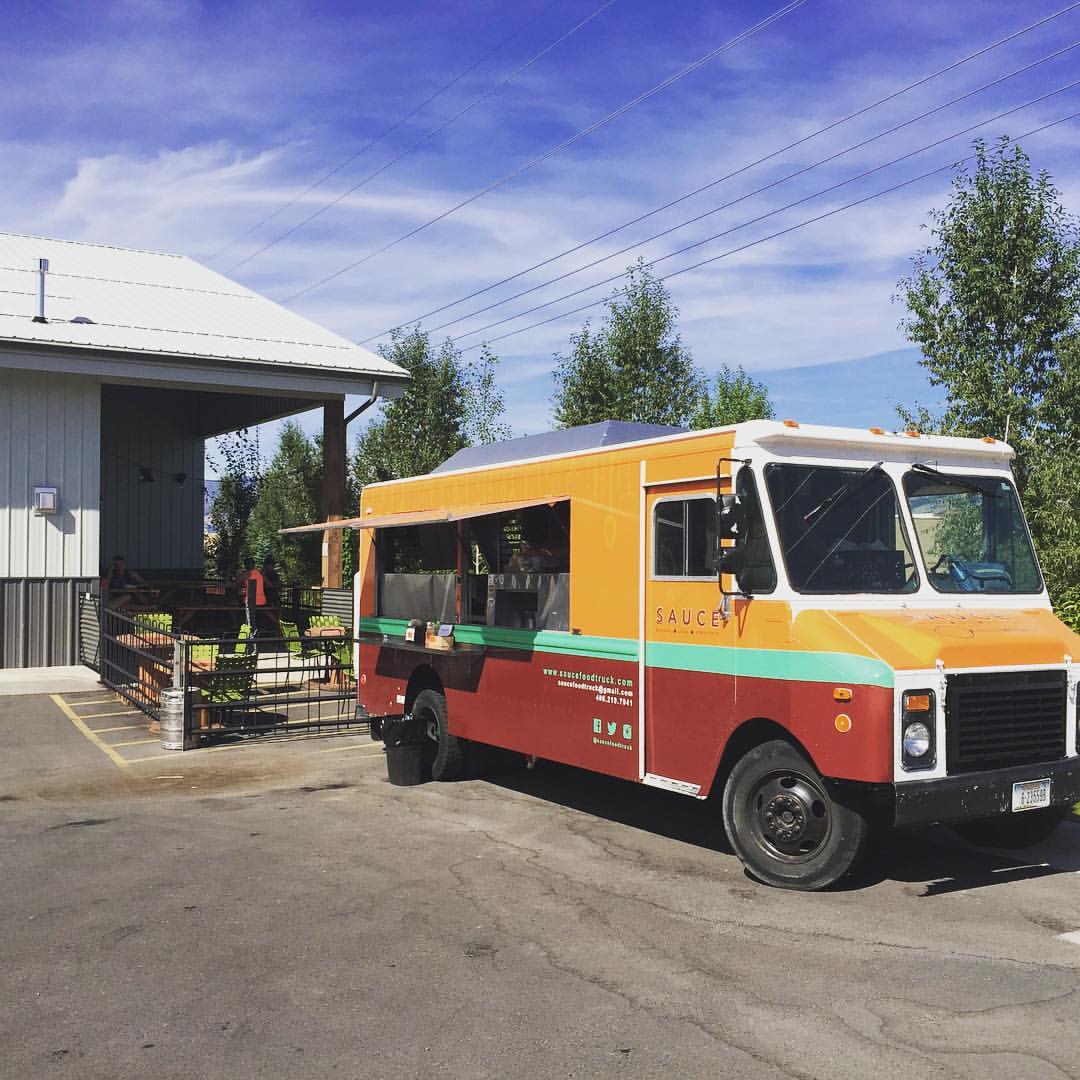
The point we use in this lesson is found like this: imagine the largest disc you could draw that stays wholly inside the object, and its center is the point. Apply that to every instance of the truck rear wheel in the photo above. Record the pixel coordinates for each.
(445, 753)
(1013, 830)
(783, 823)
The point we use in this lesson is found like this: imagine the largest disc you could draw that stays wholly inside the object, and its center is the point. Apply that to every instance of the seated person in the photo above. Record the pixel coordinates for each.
(122, 584)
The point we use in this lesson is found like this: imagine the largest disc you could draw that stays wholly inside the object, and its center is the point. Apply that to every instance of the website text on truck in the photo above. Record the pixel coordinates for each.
(822, 628)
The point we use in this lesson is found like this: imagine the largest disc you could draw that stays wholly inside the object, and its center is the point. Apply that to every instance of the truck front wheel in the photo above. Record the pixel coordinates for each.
(783, 823)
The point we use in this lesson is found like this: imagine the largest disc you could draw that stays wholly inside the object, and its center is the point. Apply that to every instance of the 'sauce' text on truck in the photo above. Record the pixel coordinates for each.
(877, 645)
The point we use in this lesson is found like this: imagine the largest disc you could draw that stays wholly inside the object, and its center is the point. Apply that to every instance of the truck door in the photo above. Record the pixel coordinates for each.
(694, 639)
(690, 646)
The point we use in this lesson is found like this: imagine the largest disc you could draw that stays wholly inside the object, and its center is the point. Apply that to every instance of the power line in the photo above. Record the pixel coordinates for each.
(737, 172)
(424, 138)
(566, 143)
(763, 239)
(389, 131)
(757, 191)
(772, 213)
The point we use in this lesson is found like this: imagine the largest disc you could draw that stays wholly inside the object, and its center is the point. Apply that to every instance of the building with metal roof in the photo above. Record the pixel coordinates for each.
(116, 365)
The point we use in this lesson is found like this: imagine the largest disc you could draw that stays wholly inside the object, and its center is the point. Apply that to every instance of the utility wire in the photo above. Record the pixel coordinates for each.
(558, 148)
(424, 138)
(770, 236)
(389, 131)
(737, 172)
(757, 191)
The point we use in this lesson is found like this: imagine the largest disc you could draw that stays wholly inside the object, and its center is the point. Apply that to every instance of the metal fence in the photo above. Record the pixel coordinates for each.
(301, 680)
(267, 684)
(89, 631)
(137, 659)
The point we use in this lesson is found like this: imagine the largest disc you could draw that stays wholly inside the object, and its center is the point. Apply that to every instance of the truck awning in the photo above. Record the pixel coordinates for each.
(422, 517)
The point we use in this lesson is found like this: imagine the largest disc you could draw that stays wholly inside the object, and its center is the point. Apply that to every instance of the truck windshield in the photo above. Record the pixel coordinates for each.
(840, 529)
(972, 533)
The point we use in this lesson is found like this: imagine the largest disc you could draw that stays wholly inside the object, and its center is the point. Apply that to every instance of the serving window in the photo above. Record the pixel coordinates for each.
(509, 569)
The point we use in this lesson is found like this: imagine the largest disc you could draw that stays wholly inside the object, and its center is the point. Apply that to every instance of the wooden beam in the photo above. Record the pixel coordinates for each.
(333, 490)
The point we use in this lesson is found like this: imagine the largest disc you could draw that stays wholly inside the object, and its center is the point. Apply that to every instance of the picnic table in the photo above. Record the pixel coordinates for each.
(154, 651)
(185, 613)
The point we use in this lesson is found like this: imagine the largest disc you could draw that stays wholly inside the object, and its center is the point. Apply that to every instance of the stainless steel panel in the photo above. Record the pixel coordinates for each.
(418, 596)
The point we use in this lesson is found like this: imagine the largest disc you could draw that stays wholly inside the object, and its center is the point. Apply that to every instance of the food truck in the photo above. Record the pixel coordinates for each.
(827, 630)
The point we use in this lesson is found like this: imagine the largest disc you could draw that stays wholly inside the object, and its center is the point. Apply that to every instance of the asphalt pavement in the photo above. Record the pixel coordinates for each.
(277, 909)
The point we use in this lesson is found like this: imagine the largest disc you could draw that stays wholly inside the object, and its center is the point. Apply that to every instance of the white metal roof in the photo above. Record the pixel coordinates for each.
(149, 302)
(778, 436)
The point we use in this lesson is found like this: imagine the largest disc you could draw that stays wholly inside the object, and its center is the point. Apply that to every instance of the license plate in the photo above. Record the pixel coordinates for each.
(1031, 795)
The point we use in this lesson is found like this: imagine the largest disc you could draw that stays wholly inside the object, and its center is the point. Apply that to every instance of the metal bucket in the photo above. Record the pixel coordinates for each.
(173, 736)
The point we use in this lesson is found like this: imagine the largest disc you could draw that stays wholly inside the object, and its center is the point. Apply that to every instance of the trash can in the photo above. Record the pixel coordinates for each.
(405, 764)
(404, 742)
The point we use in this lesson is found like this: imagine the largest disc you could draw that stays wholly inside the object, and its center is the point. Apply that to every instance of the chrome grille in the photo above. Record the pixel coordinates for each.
(999, 719)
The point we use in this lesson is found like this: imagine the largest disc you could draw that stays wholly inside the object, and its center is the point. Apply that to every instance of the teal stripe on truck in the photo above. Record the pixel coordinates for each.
(770, 663)
(560, 642)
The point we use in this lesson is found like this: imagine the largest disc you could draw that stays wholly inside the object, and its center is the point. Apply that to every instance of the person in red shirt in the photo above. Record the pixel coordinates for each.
(253, 591)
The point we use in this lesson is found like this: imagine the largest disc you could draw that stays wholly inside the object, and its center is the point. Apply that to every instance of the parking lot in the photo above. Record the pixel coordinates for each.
(276, 908)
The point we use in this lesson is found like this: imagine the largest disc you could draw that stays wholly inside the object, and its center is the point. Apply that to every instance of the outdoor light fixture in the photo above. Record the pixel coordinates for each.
(45, 500)
(179, 478)
(146, 476)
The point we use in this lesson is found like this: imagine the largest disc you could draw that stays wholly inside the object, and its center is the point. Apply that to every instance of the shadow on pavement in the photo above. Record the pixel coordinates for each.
(935, 858)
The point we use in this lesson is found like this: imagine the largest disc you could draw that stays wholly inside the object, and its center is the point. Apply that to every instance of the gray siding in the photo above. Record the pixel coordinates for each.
(39, 620)
(156, 525)
(49, 435)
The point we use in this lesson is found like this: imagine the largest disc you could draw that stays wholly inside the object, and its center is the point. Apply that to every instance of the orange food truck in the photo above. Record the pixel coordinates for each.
(825, 629)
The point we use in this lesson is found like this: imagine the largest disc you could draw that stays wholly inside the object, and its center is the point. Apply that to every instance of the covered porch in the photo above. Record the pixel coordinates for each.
(117, 366)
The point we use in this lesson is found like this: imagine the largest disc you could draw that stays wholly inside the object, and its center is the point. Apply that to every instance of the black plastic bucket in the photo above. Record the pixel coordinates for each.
(405, 764)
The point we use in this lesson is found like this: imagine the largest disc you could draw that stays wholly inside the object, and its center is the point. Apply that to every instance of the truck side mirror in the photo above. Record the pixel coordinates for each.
(731, 524)
(730, 518)
(731, 560)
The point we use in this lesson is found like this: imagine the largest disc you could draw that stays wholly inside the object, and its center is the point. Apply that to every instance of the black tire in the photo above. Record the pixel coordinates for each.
(1013, 830)
(444, 753)
(784, 824)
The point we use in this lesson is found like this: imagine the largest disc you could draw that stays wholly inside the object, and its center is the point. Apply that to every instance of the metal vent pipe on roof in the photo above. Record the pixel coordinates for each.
(43, 266)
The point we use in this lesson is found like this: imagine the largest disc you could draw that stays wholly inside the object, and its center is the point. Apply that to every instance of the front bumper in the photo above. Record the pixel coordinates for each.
(980, 795)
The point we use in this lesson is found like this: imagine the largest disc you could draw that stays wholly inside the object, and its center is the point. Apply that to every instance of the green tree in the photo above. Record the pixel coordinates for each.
(994, 304)
(635, 367)
(289, 495)
(733, 398)
(239, 467)
(484, 402)
(447, 405)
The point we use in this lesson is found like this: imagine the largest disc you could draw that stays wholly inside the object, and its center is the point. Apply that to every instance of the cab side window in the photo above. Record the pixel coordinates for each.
(758, 574)
(684, 538)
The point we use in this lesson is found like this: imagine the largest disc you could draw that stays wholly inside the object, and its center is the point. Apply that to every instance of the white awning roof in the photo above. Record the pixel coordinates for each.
(422, 517)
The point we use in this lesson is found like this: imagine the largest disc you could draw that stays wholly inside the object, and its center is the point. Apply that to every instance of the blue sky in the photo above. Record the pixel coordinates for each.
(180, 126)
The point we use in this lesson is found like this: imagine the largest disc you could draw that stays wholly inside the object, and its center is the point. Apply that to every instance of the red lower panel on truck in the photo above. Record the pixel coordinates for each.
(580, 710)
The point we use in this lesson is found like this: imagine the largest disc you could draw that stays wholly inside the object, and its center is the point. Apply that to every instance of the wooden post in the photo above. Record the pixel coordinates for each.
(333, 490)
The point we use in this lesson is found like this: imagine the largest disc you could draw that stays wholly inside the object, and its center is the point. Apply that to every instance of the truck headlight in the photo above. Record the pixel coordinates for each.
(917, 730)
(917, 740)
